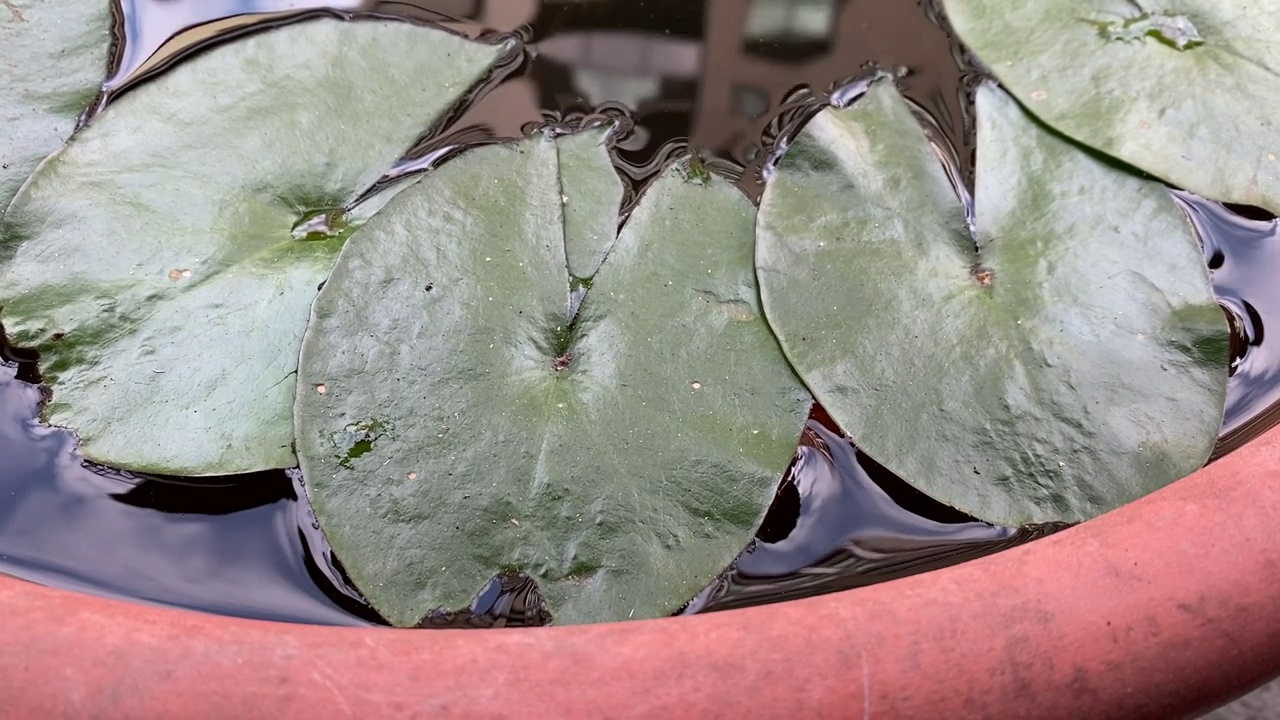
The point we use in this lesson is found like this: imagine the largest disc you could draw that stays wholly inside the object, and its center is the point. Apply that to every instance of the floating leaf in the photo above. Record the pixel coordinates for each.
(1073, 363)
(53, 55)
(1186, 91)
(622, 460)
(154, 262)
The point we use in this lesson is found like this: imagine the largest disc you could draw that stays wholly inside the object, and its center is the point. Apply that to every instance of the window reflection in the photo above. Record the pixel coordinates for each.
(785, 21)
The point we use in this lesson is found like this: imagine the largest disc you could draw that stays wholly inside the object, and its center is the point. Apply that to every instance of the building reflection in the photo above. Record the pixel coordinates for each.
(704, 71)
(709, 71)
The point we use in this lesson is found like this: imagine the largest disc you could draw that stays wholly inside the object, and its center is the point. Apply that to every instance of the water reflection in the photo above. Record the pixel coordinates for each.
(229, 549)
(846, 530)
(149, 33)
(833, 527)
(706, 74)
(831, 483)
(1243, 254)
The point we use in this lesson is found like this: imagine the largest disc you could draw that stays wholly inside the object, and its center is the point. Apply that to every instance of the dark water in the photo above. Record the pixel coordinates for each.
(723, 78)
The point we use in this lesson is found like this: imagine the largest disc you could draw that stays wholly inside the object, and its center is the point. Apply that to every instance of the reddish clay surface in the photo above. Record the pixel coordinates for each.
(1162, 609)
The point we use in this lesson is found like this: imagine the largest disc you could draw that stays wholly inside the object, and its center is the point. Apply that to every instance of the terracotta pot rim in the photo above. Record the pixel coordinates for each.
(1162, 609)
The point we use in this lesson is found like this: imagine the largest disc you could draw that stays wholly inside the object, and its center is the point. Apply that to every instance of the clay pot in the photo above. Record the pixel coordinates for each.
(1162, 609)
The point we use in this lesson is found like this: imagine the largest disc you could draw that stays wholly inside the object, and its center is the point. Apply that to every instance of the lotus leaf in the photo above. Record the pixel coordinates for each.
(1070, 362)
(454, 422)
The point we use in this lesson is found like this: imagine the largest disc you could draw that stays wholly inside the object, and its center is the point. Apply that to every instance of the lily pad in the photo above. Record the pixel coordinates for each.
(154, 260)
(1183, 90)
(453, 424)
(53, 56)
(1072, 361)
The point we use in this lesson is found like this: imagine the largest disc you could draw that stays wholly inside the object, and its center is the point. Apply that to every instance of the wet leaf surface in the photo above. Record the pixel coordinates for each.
(154, 262)
(1186, 91)
(53, 56)
(588, 185)
(1074, 363)
(621, 461)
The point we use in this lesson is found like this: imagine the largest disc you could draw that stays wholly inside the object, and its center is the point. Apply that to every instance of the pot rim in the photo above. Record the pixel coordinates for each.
(1165, 608)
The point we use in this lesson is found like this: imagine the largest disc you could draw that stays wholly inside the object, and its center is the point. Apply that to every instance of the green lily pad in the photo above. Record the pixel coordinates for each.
(53, 56)
(1074, 361)
(1183, 90)
(453, 425)
(154, 260)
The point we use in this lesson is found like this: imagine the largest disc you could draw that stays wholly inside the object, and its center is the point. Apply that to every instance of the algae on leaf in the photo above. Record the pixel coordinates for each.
(1186, 91)
(53, 57)
(153, 260)
(1070, 362)
(622, 459)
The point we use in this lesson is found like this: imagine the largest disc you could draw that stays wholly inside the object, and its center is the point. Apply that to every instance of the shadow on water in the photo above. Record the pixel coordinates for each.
(728, 79)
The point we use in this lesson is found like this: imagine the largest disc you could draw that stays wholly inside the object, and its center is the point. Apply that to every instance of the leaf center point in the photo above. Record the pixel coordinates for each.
(321, 224)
